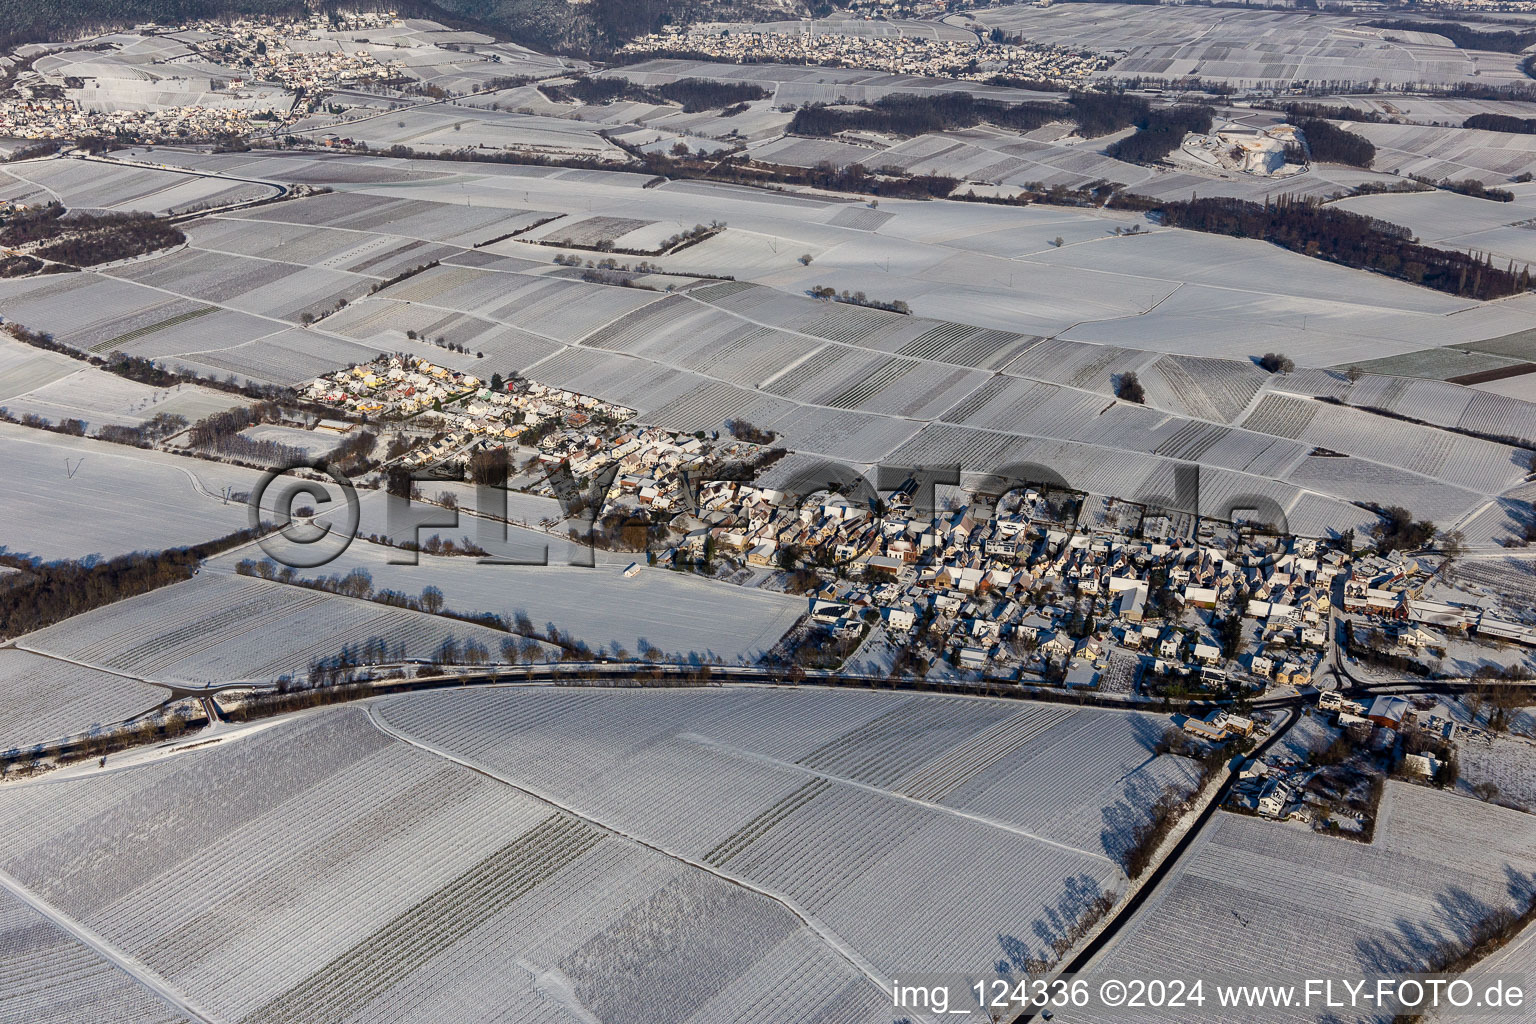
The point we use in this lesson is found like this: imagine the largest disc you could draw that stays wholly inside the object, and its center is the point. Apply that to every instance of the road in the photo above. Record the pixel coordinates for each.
(1160, 873)
(282, 190)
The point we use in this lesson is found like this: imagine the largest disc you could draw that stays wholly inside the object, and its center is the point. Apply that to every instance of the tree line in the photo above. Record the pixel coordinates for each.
(1463, 37)
(45, 593)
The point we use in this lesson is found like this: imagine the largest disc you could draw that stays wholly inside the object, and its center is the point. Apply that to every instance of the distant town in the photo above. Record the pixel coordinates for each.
(967, 59)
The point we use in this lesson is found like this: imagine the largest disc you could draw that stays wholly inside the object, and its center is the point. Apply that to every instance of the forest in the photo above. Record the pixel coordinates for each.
(47, 593)
(695, 94)
(1348, 238)
(1159, 132)
(1333, 112)
(85, 240)
(1501, 123)
(911, 114)
(908, 114)
(1462, 36)
(1331, 144)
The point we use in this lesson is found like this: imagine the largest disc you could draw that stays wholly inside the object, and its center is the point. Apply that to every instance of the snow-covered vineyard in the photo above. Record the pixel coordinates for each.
(47, 974)
(224, 629)
(968, 380)
(46, 699)
(1253, 897)
(737, 854)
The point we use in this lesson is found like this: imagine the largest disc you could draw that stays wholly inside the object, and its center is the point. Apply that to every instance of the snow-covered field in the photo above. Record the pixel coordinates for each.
(1249, 46)
(48, 974)
(835, 379)
(840, 801)
(69, 497)
(104, 399)
(222, 629)
(682, 856)
(87, 185)
(1508, 764)
(43, 699)
(1253, 897)
(678, 613)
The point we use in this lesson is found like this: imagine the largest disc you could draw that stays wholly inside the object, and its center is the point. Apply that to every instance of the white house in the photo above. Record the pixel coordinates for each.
(1274, 798)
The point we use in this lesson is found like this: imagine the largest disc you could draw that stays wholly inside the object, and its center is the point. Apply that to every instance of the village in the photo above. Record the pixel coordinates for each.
(301, 55)
(64, 119)
(969, 59)
(454, 415)
(237, 77)
(1032, 584)
(1035, 586)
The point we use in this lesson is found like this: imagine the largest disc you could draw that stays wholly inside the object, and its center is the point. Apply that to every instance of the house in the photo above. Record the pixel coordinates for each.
(900, 619)
(1274, 797)
(1133, 604)
(1206, 653)
(1208, 728)
(1413, 636)
(1169, 648)
(946, 604)
(1388, 711)
(1032, 626)
(1423, 765)
(828, 612)
(1236, 723)
(1202, 597)
(1054, 645)
(1262, 665)
(974, 657)
(1292, 674)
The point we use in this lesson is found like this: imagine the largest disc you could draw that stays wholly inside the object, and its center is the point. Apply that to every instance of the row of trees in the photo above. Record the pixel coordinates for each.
(1463, 36)
(858, 298)
(1471, 187)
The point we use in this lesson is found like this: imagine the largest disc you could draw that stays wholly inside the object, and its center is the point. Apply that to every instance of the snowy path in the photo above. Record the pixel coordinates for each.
(133, 968)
